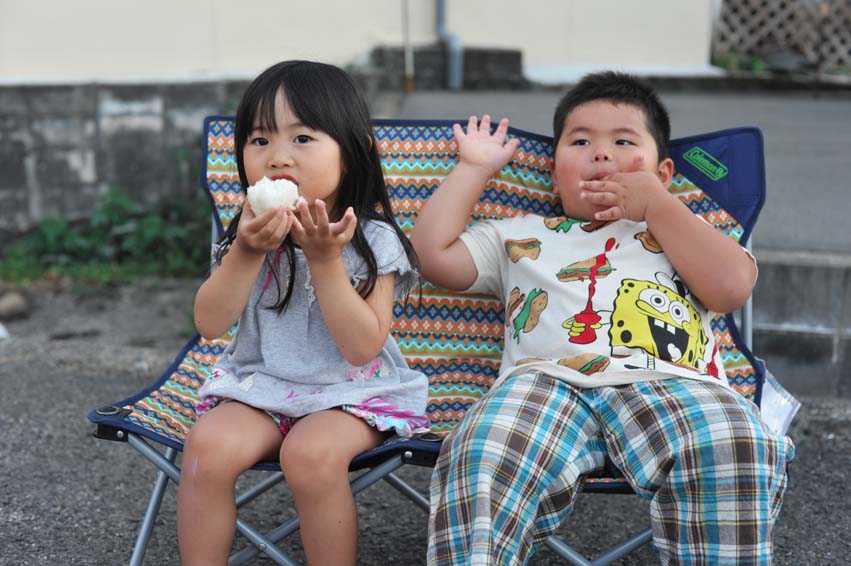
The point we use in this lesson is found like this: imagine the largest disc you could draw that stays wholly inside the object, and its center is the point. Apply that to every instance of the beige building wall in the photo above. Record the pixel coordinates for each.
(45, 41)
(566, 38)
(50, 40)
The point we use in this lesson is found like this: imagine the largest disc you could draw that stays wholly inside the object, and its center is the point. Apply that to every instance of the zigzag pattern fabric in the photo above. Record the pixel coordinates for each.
(455, 339)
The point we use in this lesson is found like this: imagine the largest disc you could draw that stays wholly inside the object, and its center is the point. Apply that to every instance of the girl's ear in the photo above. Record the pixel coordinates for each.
(665, 171)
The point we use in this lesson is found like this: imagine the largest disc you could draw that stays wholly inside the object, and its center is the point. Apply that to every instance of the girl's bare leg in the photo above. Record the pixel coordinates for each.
(315, 457)
(223, 444)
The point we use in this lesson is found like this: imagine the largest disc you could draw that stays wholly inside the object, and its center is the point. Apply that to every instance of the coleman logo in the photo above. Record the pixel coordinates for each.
(707, 164)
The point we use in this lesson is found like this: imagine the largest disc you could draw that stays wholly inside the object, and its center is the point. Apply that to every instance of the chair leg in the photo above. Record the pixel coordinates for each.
(408, 491)
(562, 549)
(624, 548)
(360, 483)
(575, 558)
(167, 467)
(151, 513)
(262, 487)
(262, 544)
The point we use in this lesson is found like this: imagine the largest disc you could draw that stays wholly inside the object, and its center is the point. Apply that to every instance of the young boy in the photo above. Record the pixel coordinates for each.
(610, 354)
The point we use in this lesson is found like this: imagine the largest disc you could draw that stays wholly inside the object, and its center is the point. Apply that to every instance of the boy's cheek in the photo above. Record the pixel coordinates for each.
(637, 164)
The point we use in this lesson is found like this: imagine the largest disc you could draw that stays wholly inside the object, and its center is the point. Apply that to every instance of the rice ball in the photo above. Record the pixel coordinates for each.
(266, 194)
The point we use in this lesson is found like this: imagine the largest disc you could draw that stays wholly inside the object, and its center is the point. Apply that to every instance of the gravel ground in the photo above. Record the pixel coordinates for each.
(67, 498)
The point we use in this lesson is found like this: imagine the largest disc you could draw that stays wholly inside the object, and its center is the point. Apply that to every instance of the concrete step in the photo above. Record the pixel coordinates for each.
(802, 320)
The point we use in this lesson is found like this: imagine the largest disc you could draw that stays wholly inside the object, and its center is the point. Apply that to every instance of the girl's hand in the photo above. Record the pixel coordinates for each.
(479, 148)
(322, 240)
(264, 233)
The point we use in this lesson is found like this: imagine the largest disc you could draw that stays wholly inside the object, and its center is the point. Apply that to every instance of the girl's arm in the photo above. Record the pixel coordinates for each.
(444, 259)
(359, 326)
(222, 297)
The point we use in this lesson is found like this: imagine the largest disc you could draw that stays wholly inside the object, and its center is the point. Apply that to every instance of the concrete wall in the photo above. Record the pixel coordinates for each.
(63, 146)
(46, 41)
(802, 320)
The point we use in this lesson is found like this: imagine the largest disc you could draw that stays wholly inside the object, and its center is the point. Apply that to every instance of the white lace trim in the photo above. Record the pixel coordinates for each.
(308, 285)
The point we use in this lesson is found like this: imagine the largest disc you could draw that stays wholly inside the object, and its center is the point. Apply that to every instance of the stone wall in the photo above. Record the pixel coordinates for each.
(802, 320)
(63, 146)
(482, 68)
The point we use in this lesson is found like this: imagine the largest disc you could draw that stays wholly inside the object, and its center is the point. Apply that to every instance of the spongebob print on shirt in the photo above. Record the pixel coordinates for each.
(657, 318)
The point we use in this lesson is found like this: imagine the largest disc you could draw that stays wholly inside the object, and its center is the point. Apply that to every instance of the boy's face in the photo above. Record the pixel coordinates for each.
(601, 138)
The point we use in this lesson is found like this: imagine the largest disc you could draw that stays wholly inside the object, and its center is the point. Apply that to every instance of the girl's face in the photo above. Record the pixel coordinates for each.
(309, 158)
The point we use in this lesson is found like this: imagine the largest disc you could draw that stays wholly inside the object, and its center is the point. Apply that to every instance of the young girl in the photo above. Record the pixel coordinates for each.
(312, 377)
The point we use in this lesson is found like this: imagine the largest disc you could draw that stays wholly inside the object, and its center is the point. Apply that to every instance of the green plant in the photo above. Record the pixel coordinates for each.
(728, 60)
(121, 240)
(758, 65)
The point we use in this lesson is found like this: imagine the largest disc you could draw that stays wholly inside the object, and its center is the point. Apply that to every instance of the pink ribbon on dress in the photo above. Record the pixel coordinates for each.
(272, 267)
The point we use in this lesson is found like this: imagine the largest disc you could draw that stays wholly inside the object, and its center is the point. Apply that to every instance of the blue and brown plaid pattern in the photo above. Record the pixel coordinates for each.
(507, 476)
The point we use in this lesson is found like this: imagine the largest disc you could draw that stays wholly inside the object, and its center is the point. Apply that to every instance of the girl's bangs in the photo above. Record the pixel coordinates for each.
(263, 113)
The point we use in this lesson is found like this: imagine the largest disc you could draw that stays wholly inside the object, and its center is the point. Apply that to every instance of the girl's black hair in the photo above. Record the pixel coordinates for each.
(619, 88)
(324, 98)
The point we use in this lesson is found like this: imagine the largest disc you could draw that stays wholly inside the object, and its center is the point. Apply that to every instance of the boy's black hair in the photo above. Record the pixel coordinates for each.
(324, 98)
(619, 88)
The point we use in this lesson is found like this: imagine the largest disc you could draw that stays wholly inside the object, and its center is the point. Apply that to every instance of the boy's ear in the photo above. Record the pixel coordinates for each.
(665, 171)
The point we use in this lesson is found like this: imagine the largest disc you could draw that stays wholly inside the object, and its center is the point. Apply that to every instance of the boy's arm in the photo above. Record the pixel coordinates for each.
(713, 266)
(444, 259)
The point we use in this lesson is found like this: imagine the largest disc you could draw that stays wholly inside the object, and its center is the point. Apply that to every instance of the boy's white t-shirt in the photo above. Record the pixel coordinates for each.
(591, 303)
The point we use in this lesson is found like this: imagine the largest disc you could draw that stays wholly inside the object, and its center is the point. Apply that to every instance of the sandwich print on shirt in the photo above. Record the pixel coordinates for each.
(598, 297)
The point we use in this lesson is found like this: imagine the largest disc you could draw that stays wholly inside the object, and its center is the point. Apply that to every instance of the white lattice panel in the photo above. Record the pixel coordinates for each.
(818, 30)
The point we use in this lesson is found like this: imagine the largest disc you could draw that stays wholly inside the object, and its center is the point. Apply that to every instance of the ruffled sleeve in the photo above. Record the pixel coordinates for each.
(214, 249)
(389, 256)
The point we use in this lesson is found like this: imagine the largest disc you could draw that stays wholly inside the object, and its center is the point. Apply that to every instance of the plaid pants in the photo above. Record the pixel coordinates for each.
(508, 474)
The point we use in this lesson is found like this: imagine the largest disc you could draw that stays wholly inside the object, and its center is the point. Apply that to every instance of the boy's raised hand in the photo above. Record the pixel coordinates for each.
(322, 239)
(481, 148)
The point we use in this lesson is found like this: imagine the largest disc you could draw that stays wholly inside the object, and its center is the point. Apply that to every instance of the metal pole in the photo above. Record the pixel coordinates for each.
(455, 54)
(408, 49)
(747, 313)
(151, 512)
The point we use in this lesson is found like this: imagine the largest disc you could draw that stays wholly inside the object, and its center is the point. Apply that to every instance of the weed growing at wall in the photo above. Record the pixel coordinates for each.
(122, 240)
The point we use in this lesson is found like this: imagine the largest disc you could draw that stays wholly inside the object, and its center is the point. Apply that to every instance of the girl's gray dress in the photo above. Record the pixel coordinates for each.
(289, 364)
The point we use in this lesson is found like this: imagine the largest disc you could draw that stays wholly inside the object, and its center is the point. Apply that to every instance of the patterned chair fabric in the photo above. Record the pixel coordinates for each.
(456, 339)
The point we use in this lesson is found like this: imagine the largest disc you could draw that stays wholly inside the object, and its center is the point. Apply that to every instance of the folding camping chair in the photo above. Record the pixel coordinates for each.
(455, 339)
